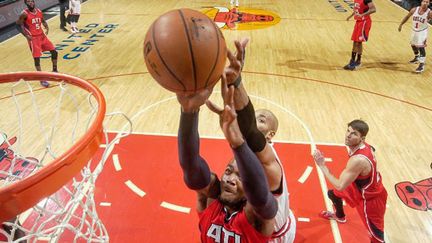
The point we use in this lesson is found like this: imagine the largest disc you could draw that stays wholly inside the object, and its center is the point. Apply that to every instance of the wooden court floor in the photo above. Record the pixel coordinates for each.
(293, 67)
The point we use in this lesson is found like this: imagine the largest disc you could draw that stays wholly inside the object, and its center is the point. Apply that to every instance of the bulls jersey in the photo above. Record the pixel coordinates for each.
(361, 6)
(285, 224)
(33, 22)
(420, 22)
(75, 7)
(217, 226)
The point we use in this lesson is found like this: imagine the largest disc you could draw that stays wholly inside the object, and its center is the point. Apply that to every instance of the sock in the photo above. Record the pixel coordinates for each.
(337, 202)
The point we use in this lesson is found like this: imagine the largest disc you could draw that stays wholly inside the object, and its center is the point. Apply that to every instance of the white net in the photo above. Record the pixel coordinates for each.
(38, 125)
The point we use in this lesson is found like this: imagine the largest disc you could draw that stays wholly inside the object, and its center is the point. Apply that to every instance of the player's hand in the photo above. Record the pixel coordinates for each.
(46, 30)
(228, 115)
(236, 60)
(400, 28)
(29, 38)
(319, 158)
(192, 102)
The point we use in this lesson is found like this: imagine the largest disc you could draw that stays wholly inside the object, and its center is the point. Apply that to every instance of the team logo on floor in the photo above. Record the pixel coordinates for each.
(417, 195)
(242, 18)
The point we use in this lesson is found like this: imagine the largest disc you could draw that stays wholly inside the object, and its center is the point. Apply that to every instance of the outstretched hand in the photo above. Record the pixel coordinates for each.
(228, 115)
(319, 158)
(236, 60)
(192, 102)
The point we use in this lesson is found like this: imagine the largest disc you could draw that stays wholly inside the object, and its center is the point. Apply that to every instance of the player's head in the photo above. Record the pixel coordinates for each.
(30, 4)
(356, 132)
(425, 3)
(267, 123)
(232, 194)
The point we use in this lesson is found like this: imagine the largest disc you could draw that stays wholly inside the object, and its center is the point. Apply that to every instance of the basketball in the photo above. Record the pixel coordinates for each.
(185, 51)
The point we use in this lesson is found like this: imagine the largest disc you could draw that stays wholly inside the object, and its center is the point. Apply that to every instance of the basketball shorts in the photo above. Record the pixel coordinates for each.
(361, 31)
(372, 212)
(418, 38)
(39, 44)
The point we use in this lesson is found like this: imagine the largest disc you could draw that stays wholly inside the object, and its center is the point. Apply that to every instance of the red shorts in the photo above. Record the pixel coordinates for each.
(371, 211)
(361, 30)
(39, 44)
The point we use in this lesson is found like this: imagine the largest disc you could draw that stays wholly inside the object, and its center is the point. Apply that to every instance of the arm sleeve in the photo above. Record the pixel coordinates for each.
(196, 173)
(248, 127)
(255, 182)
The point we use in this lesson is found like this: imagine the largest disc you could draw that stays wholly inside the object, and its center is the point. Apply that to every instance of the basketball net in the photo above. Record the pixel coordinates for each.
(46, 123)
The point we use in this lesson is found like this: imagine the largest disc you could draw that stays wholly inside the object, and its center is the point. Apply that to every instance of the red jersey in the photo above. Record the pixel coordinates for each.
(33, 22)
(361, 6)
(216, 226)
(368, 195)
(365, 187)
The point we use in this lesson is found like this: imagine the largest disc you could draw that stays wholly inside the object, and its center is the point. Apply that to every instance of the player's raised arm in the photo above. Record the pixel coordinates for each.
(261, 205)
(196, 173)
(247, 118)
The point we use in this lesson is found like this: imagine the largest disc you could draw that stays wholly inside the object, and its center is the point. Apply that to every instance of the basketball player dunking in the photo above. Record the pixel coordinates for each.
(361, 12)
(420, 18)
(30, 25)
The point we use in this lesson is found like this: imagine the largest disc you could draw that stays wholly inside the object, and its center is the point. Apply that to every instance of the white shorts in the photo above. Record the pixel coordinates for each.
(419, 38)
(289, 236)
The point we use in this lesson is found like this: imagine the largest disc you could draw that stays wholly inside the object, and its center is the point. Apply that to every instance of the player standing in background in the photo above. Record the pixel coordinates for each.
(74, 14)
(30, 25)
(361, 12)
(63, 5)
(420, 18)
(359, 184)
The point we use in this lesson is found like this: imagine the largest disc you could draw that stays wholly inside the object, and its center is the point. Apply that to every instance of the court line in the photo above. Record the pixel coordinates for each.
(135, 188)
(222, 138)
(175, 207)
(303, 219)
(116, 161)
(305, 174)
(269, 74)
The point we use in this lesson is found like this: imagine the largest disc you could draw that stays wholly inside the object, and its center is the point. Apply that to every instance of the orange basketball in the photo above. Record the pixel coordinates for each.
(185, 51)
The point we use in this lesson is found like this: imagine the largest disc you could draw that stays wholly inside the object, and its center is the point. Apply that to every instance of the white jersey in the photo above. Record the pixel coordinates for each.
(285, 226)
(420, 29)
(75, 7)
(420, 21)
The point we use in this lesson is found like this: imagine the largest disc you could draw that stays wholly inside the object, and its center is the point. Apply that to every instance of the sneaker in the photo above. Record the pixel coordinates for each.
(45, 84)
(350, 66)
(414, 60)
(64, 29)
(329, 216)
(420, 68)
(357, 65)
